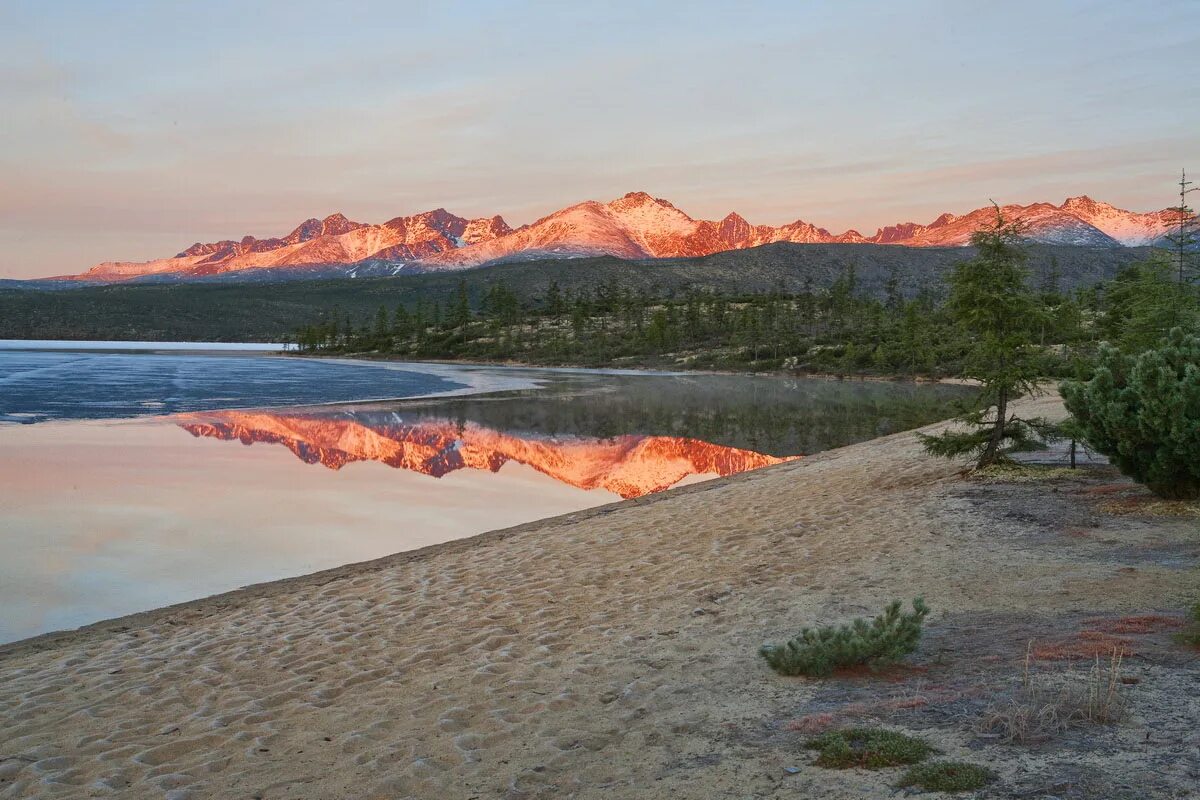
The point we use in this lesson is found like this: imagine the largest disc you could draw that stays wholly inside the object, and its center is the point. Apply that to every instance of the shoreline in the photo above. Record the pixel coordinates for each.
(151, 616)
(613, 652)
(633, 370)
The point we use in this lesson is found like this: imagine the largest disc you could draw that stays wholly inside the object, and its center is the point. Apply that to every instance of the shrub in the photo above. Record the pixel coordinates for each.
(1143, 412)
(1191, 636)
(885, 640)
(947, 776)
(869, 748)
(1047, 704)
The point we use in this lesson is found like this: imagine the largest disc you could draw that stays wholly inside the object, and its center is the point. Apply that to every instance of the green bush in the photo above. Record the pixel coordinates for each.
(882, 641)
(869, 748)
(1143, 412)
(1191, 635)
(947, 776)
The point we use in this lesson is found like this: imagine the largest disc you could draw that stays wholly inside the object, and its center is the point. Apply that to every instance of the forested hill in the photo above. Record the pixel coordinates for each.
(245, 311)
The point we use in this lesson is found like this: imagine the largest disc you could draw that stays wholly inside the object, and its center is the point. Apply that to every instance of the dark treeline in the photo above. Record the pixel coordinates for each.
(246, 307)
(837, 329)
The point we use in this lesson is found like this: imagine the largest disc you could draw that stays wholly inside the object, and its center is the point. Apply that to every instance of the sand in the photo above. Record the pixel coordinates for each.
(612, 652)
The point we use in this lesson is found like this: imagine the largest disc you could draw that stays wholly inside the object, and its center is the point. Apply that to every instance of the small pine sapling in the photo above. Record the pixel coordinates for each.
(878, 643)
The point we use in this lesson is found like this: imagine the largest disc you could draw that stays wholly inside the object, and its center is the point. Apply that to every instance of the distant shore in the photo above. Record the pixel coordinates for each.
(612, 652)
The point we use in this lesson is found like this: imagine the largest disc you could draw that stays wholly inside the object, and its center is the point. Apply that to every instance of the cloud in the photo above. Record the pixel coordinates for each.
(128, 129)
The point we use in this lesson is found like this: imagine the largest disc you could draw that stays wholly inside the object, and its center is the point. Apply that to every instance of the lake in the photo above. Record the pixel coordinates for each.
(139, 478)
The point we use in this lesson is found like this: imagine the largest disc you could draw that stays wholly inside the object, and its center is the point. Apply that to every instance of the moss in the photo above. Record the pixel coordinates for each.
(947, 776)
(869, 748)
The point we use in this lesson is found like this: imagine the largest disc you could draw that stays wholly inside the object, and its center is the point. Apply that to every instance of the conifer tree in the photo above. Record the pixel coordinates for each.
(1143, 412)
(878, 643)
(461, 314)
(1183, 241)
(998, 315)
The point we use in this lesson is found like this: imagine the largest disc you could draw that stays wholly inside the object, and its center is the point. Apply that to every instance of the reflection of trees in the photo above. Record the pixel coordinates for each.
(767, 415)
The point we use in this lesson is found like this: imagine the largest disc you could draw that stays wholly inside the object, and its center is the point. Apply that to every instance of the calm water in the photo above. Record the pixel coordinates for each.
(143, 479)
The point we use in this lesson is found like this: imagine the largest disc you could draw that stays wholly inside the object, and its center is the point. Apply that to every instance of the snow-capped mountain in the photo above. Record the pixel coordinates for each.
(333, 240)
(635, 226)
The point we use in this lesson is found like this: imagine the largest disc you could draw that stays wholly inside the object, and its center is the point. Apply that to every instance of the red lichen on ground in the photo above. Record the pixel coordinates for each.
(811, 723)
(897, 673)
(1083, 645)
(929, 696)
(1144, 623)
(1078, 533)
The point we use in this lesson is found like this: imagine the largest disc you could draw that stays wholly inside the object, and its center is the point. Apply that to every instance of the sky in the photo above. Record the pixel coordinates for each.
(133, 129)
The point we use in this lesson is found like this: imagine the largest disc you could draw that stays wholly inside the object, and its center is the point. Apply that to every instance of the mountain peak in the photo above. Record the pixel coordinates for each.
(336, 224)
(1082, 202)
(633, 200)
(641, 197)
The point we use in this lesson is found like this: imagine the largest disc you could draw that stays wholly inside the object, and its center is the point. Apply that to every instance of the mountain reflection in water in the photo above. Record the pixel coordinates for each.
(629, 434)
(627, 465)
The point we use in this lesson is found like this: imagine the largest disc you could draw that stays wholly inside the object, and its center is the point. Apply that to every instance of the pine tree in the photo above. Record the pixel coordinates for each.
(878, 643)
(401, 321)
(992, 305)
(461, 314)
(1143, 412)
(382, 325)
(554, 300)
(1143, 304)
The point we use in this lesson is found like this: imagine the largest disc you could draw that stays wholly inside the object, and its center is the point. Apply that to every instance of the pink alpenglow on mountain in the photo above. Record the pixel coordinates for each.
(630, 466)
(636, 226)
(333, 240)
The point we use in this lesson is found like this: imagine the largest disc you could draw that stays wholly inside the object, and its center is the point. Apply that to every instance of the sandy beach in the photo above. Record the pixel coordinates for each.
(612, 652)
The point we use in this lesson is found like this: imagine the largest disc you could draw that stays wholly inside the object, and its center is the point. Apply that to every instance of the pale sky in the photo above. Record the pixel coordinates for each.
(132, 129)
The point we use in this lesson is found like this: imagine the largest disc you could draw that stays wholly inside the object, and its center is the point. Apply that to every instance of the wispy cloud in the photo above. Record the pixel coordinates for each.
(132, 131)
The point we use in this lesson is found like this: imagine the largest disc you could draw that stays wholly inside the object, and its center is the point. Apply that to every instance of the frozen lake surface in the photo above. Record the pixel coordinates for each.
(37, 386)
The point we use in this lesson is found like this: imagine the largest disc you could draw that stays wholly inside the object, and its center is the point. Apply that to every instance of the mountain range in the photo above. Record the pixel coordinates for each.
(636, 226)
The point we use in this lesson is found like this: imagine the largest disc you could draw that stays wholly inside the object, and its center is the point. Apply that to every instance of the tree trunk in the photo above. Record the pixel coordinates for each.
(991, 453)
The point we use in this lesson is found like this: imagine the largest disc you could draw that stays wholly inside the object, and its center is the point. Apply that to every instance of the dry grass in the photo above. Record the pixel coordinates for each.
(1049, 703)
(1150, 506)
(1014, 472)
